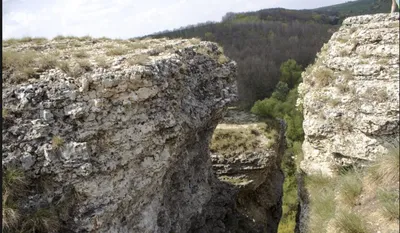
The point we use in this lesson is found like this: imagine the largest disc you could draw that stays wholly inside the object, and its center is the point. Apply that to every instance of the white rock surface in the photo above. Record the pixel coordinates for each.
(134, 139)
(350, 96)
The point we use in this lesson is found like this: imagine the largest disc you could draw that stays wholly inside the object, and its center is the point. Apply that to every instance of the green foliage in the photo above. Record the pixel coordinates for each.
(266, 107)
(281, 91)
(42, 220)
(290, 73)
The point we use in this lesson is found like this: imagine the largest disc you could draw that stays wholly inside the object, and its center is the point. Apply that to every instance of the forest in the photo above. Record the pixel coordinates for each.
(261, 41)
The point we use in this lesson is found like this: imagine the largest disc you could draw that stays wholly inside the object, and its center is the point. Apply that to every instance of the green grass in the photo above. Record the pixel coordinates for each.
(42, 220)
(350, 222)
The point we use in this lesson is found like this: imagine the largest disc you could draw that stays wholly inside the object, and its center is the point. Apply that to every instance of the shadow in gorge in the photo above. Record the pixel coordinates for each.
(254, 207)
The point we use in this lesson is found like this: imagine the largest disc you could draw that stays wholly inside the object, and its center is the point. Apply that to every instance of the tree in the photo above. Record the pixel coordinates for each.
(291, 73)
(281, 91)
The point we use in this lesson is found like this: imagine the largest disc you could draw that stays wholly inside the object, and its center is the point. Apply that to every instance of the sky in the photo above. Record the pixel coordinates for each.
(125, 18)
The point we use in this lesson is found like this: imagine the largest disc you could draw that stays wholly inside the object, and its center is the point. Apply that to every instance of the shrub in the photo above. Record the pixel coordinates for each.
(266, 107)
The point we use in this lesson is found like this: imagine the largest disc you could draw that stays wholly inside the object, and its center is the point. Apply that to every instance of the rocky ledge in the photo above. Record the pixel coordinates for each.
(113, 136)
(350, 96)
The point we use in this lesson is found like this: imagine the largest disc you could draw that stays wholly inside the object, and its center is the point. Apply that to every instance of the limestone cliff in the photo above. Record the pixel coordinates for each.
(350, 102)
(112, 136)
(350, 96)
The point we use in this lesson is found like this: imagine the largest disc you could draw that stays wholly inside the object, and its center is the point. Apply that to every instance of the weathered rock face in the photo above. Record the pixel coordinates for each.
(350, 96)
(123, 148)
(246, 152)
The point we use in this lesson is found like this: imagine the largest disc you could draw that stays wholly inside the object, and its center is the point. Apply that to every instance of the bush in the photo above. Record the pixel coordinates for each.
(291, 73)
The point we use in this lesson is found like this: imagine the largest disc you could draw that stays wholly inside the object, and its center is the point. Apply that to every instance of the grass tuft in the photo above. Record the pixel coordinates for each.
(349, 222)
(389, 202)
(42, 220)
(385, 171)
(57, 142)
(117, 51)
(350, 187)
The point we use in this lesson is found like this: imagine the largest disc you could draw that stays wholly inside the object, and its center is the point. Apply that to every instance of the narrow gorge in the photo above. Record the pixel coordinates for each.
(141, 136)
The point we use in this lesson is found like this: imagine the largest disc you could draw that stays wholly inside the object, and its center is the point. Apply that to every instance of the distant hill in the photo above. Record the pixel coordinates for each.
(261, 41)
(359, 7)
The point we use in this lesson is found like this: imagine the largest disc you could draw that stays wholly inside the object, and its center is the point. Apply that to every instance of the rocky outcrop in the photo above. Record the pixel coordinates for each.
(350, 96)
(246, 152)
(119, 144)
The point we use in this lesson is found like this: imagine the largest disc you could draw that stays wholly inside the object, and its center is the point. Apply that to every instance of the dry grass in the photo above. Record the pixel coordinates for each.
(137, 45)
(102, 62)
(81, 54)
(350, 187)
(382, 95)
(321, 189)
(323, 76)
(385, 171)
(117, 51)
(222, 59)
(10, 215)
(230, 142)
(389, 203)
(343, 87)
(64, 66)
(47, 62)
(57, 142)
(350, 222)
(84, 64)
(13, 184)
(141, 59)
